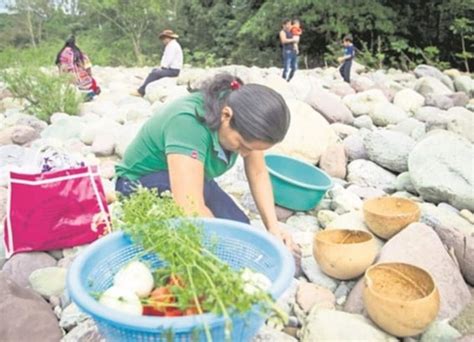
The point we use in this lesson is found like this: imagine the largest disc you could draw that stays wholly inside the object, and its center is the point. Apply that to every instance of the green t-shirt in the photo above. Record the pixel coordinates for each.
(175, 129)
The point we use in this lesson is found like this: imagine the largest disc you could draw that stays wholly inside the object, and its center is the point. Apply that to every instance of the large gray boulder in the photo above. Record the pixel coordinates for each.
(423, 70)
(455, 232)
(461, 121)
(367, 173)
(441, 169)
(431, 86)
(25, 315)
(389, 149)
(419, 245)
(465, 84)
(306, 124)
(329, 105)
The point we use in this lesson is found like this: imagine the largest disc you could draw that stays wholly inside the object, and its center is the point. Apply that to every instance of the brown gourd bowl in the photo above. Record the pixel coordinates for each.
(386, 216)
(343, 253)
(402, 299)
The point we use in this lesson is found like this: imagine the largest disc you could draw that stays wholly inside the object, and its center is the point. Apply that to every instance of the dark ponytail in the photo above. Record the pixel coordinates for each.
(259, 112)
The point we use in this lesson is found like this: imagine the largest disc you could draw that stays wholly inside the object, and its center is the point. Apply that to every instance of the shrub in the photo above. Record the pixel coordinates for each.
(46, 92)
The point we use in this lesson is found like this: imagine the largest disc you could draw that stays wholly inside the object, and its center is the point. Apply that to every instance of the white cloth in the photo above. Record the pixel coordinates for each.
(172, 56)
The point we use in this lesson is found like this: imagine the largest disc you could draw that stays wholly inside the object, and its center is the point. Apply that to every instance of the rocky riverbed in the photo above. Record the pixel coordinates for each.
(389, 133)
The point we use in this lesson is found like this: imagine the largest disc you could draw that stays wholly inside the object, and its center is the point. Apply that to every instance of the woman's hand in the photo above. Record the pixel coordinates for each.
(286, 238)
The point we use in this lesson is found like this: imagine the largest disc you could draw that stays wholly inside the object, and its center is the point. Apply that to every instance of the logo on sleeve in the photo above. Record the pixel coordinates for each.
(194, 154)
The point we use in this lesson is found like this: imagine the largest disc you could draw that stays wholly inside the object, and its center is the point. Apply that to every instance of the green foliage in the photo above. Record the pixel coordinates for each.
(46, 92)
(216, 32)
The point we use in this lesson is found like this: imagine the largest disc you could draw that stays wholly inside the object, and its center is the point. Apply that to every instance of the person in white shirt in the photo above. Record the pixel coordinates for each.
(171, 61)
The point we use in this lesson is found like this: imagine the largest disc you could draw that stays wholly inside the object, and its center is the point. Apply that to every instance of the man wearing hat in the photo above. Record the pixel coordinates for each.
(171, 61)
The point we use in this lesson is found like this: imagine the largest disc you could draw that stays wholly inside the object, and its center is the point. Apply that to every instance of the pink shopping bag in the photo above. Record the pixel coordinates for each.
(54, 210)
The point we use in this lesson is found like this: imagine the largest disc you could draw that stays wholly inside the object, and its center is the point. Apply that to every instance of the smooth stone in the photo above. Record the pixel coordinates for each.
(367, 173)
(332, 325)
(354, 148)
(71, 317)
(440, 331)
(20, 266)
(48, 281)
(404, 183)
(408, 100)
(333, 161)
(283, 214)
(315, 275)
(303, 223)
(364, 121)
(364, 192)
(25, 315)
(438, 174)
(85, 331)
(326, 216)
(310, 295)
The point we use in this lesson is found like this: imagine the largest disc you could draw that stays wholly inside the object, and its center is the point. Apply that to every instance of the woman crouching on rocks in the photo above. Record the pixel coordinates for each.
(198, 137)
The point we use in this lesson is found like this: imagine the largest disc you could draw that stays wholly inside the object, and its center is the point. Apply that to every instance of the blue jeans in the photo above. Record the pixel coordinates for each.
(220, 204)
(290, 64)
(345, 71)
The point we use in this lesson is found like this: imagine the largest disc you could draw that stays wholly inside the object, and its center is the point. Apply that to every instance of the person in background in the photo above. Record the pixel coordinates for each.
(290, 58)
(70, 59)
(346, 60)
(196, 138)
(171, 61)
(296, 31)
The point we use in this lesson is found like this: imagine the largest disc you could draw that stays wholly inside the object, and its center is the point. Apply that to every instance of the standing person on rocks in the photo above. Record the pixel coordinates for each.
(290, 57)
(171, 61)
(346, 60)
(198, 137)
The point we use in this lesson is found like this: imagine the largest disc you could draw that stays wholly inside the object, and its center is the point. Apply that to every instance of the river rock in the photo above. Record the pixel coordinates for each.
(345, 201)
(389, 149)
(342, 89)
(354, 147)
(325, 217)
(164, 91)
(85, 331)
(334, 161)
(404, 183)
(71, 317)
(438, 174)
(48, 281)
(267, 334)
(464, 322)
(64, 129)
(331, 325)
(424, 70)
(384, 114)
(434, 118)
(419, 245)
(465, 84)
(103, 145)
(364, 192)
(22, 134)
(134, 109)
(440, 331)
(461, 121)
(431, 86)
(343, 130)
(364, 121)
(362, 83)
(455, 232)
(310, 295)
(26, 316)
(305, 124)
(329, 105)
(411, 127)
(303, 223)
(20, 266)
(364, 103)
(313, 272)
(408, 100)
(367, 173)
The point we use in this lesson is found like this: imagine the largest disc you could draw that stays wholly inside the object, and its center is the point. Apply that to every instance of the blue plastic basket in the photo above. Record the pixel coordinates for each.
(239, 245)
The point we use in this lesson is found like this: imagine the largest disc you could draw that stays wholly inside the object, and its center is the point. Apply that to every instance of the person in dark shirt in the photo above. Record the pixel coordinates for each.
(346, 60)
(290, 57)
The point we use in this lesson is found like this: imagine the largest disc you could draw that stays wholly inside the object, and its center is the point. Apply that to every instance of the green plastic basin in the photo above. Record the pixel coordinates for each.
(297, 185)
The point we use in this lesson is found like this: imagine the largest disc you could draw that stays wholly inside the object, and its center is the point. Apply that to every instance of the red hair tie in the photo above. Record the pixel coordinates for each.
(234, 85)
